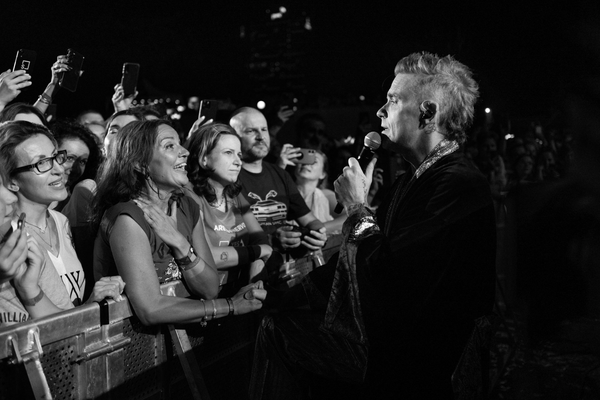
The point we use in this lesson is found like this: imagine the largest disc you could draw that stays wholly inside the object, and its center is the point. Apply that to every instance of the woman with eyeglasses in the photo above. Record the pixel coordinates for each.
(37, 177)
(29, 287)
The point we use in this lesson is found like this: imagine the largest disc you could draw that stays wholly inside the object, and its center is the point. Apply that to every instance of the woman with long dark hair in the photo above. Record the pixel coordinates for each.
(150, 233)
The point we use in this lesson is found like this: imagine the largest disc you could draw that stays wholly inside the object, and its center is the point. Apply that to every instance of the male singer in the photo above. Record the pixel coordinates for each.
(397, 309)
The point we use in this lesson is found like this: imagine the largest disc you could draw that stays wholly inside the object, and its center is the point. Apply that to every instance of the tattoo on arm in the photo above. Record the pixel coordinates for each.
(224, 256)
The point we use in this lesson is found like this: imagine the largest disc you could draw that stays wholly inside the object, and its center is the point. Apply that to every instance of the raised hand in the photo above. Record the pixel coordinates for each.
(165, 226)
(11, 84)
(120, 102)
(288, 155)
(60, 65)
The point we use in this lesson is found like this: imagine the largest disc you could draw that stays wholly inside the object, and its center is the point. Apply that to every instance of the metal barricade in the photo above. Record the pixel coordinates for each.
(101, 350)
(92, 351)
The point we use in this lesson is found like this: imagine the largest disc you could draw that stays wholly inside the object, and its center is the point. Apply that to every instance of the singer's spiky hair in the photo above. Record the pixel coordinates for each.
(448, 82)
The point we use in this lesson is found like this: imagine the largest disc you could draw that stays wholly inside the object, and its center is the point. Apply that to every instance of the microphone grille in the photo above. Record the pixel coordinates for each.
(372, 140)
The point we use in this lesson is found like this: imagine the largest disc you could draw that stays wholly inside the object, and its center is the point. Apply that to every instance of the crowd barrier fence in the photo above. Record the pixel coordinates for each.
(102, 351)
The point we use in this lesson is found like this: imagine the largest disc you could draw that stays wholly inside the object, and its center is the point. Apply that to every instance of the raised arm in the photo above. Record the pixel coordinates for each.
(45, 98)
(11, 84)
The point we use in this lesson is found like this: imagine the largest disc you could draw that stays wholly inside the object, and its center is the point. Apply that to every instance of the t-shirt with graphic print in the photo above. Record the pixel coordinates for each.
(273, 197)
(12, 310)
(65, 262)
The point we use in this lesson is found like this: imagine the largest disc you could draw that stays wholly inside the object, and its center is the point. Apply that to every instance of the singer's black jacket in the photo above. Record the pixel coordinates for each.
(424, 278)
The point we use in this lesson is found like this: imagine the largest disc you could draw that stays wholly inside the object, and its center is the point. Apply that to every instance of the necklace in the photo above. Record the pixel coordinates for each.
(44, 239)
(219, 204)
(37, 227)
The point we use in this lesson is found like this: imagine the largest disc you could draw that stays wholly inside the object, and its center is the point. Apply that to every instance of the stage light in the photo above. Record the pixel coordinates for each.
(488, 110)
(261, 105)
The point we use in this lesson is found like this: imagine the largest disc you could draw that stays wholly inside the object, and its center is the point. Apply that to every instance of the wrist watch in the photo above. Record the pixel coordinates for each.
(188, 259)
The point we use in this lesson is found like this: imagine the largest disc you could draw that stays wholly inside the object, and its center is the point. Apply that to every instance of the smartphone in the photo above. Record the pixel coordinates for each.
(208, 109)
(307, 157)
(20, 221)
(129, 78)
(25, 61)
(69, 79)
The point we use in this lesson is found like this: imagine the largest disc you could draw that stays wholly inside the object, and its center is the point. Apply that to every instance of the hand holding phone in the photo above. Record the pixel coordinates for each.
(69, 79)
(208, 109)
(307, 156)
(129, 79)
(24, 61)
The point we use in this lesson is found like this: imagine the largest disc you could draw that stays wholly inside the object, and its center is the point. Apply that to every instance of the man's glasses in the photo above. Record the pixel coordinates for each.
(45, 164)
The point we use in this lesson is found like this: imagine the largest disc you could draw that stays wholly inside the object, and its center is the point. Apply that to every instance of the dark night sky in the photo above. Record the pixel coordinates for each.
(521, 55)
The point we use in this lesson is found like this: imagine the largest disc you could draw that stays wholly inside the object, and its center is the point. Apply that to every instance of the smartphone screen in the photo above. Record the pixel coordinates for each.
(69, 79)
(129, 78)
(208, 109)
(25, 61)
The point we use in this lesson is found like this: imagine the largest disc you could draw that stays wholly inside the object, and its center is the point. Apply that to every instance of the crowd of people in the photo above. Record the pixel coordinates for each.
(124, 204)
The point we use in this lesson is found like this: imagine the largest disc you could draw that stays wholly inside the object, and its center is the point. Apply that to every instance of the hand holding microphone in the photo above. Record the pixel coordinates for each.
(371, 144)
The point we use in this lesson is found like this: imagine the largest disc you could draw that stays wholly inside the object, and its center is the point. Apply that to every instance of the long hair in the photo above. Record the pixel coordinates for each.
(11, 111)
(14, 133)
(200, 145)
(64, 130)
(124, 173)
(449, 82)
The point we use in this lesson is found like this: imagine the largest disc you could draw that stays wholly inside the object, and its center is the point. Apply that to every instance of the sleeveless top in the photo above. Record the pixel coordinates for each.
(188, 214)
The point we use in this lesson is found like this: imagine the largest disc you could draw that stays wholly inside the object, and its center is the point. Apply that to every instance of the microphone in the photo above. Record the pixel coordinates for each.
(371, 143)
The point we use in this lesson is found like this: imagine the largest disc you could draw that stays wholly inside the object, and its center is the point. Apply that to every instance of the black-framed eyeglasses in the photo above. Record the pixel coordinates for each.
(45, 164)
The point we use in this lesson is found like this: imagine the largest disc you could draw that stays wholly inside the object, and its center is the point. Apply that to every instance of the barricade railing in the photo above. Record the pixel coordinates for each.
(101, 350)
